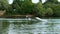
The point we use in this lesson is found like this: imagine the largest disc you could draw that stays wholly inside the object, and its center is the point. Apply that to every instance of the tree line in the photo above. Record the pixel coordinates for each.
(51, 8)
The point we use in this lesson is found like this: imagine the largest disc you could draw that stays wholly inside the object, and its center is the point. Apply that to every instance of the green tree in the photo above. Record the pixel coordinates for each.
(1, 7)
(4, 3)
(16, 6)
(23, 6)
(41, 9)
(49, 12)
(56, 9)
(26, 7)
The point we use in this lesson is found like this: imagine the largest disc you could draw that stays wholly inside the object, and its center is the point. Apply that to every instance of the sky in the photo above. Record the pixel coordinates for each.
(10, 1)
(58, 0)
(34, 1)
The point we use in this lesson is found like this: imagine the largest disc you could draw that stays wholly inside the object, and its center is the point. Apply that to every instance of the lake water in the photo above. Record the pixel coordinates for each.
(49, 26)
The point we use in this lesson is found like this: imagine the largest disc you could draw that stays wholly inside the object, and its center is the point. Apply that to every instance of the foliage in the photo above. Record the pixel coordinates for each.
(49, 12)
(9, 11)
(4, 3)
(41, 10)
(52, 1)
(26, 7)
(56, 8)
(16, 7)
(1, 7)
(49, 8)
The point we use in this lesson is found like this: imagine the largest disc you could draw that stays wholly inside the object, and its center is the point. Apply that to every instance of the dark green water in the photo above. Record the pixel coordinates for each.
(49, 26)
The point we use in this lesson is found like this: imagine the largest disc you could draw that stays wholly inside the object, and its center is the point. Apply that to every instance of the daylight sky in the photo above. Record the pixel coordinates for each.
(34, 1)
(58, 0)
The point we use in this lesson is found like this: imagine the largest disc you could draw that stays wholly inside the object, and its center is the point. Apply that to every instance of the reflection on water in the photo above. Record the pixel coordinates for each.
(50, 27)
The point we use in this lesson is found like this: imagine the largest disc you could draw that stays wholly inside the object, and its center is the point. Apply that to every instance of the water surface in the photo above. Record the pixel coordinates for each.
(49, 26)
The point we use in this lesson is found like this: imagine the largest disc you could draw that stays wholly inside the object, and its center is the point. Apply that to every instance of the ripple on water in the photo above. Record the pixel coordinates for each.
(50, 27)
